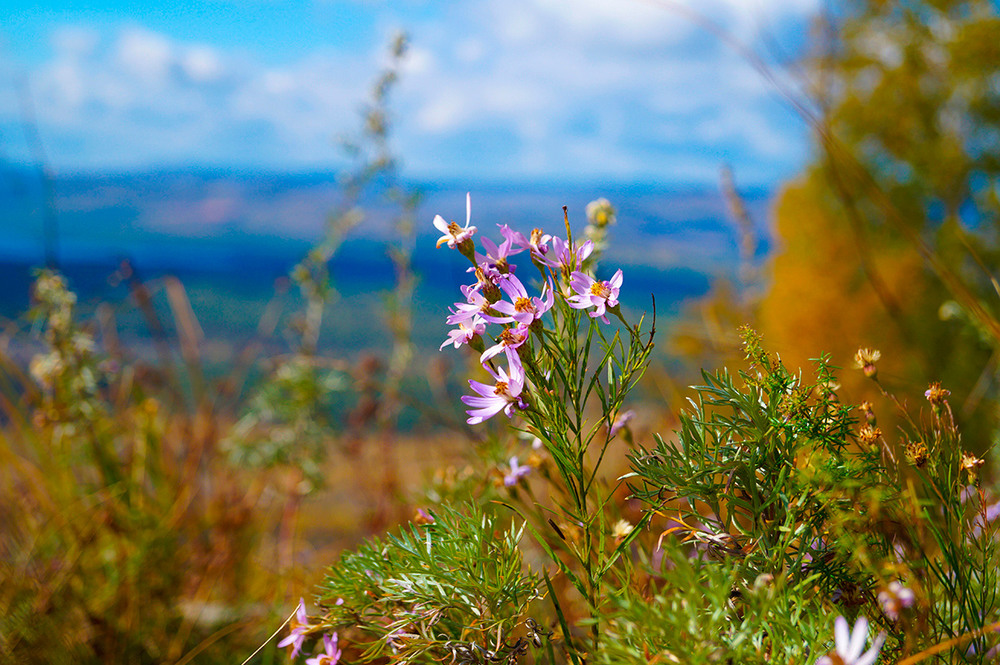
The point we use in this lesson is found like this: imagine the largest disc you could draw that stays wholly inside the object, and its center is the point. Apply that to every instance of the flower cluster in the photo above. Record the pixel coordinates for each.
(499, 297)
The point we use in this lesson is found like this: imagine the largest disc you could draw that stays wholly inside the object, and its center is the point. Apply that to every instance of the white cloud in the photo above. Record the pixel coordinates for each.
(494, 88)
(75, 40)
(470, 51)
(139, 98)
(202, 64)
(147, 55)
(591, 87)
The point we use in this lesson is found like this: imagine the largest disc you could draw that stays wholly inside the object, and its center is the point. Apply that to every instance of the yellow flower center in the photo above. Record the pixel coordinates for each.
(509, 337)
(524, 305)
(601, 290)
(501, 388)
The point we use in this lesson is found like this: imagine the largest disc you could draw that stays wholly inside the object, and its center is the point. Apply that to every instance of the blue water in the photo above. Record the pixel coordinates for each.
(231, 237)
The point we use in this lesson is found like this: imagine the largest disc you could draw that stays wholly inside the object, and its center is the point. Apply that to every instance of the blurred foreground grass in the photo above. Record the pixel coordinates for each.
(129, 532)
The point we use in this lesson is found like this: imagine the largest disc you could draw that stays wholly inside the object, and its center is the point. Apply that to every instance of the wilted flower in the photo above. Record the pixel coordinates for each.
(454, 234)
(592, 293)
(331, 653)
(850, 644)
(300, 626)
(894, 598)
(971, 464)
(865, 360)
(491, 400)
(516, 472)
(935, 394)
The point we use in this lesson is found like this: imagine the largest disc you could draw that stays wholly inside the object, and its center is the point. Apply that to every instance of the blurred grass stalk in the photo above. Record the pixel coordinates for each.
(133, 515)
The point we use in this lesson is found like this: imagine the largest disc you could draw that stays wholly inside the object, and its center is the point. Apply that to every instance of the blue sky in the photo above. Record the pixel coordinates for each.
(541, 90)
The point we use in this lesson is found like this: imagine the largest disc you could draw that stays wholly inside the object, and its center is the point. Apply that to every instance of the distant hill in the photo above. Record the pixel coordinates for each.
(229, 235)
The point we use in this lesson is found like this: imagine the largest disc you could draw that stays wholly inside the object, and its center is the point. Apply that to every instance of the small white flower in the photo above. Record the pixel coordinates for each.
(453, 233)
(622, 529)
(850, 644)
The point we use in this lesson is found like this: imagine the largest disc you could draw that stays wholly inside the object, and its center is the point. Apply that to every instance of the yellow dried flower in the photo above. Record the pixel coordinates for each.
(865, 360)
(916, 452)
(971, 464)
(935, 394)
(622, 529)
(869, 435)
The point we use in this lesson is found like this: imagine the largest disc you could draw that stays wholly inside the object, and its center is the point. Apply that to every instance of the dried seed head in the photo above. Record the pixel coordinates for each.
(869, 435)
(916, 452)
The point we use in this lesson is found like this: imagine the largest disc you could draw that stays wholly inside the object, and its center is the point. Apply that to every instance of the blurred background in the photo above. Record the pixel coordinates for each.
(240, 196)
(199, 139)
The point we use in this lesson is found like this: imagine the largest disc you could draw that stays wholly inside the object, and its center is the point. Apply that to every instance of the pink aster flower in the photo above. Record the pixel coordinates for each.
(516, 473)
(496, 255)
(522, 308)
(331, 653)
(566, 256)
(487, 278)
(537, 242)
(491, 400)
(300, 626)
(476, 305)
(487, 275)
(464, 334)
(621, 421)
(850, 644)
(454, 234)
(508, 340)
(592, 293)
